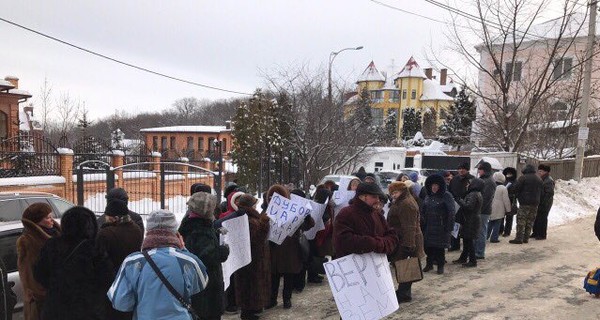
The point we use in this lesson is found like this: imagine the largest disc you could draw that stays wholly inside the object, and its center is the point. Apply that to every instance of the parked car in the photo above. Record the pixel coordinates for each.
(337, 178)
(12, 205)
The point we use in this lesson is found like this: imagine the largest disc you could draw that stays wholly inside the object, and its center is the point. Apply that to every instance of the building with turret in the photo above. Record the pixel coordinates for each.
(411, 87)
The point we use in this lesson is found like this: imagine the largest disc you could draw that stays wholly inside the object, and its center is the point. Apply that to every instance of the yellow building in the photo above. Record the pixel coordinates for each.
(411, 87)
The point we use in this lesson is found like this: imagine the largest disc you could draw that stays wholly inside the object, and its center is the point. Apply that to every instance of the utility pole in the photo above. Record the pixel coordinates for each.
(587, 83)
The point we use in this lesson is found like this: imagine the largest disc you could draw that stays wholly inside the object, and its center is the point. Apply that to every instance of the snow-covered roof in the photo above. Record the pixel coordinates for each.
(197, 129)
(411, 70)
(20, 92)
(433, 91)
(352, 100)
(6, 84)
(448, 87)
(371, 74)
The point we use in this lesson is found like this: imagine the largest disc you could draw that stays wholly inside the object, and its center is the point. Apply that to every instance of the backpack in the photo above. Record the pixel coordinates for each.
(592, 281)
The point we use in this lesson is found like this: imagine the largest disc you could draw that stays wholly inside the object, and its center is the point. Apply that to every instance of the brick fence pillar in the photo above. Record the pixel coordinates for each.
(156, 156)
(117, 159)
(66, 170)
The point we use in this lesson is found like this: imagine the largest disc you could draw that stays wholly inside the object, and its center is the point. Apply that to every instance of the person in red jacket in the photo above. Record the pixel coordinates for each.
(360, 228)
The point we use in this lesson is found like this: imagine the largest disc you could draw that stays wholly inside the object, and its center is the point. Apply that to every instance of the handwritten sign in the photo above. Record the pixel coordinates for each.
(238, 239)
(455, 230)
(341, 198)
(362, 286)
(317, 215)
(286, 216)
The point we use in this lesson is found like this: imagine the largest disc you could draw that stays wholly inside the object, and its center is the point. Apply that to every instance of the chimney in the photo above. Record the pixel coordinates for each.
(443, 76)
(13, 80)
(28, 108)
(429, 73)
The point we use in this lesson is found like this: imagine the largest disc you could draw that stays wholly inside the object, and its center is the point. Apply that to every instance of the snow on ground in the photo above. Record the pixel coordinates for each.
(573, 200)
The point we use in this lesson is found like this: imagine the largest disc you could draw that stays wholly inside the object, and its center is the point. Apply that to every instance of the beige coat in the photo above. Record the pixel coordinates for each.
(404, 218)
(501, 203)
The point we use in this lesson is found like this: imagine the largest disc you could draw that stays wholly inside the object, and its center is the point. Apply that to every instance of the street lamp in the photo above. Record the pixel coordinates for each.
(331, 58)
(219, 152)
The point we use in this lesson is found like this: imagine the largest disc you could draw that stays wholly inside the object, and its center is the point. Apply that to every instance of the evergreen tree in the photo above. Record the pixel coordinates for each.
(411, 124)
(456, 129)
(430, 123)
(388, 133)
(362, 117)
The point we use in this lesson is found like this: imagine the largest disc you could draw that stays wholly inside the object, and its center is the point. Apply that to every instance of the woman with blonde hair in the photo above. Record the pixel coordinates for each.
(38, 227)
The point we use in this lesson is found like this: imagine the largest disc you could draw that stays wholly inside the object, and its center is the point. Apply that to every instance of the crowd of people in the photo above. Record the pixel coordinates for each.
(115, 267)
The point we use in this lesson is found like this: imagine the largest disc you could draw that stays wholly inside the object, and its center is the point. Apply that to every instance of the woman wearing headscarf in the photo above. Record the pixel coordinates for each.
(202, 239)
(75, 273)
(38, 227)
(119, 236)
(404, 218)
(470, 210)
(437, 221)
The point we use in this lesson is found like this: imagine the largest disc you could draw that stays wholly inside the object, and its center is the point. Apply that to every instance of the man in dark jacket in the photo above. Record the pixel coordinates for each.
(360, 228)
(121, 194)
(8, 299)
(489, 189)
(540, 226)
(458, 189)
(528, 189)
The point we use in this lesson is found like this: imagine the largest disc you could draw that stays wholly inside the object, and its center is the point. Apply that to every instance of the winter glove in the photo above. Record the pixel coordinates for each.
(223, 252)
(223, 230)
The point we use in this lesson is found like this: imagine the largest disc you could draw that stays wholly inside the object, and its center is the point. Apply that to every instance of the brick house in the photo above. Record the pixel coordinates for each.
(10, 116)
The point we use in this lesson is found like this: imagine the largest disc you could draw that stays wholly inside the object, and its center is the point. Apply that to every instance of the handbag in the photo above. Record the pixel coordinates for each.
(167, 284)
(408, 270)
(304, 247)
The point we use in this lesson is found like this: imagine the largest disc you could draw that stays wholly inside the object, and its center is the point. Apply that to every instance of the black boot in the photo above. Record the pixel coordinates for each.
(287, 303)
(440, 269)
(470, 264)
(428, 267)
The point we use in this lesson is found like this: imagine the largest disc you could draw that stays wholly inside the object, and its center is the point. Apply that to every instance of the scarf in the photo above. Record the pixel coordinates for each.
(160, 238)
(53, 232)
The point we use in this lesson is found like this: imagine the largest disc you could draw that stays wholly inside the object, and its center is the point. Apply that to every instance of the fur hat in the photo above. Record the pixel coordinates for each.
(117, 193)
(79, 223)
(202, 204)
(409, 184)
(36, 212)
(116, 207)
(544, 167)
(369, 188)
(397, 186)
(233, 197)
(200, 187)
(499, 177)
(246, 201)
(162, 220)
(283, 191)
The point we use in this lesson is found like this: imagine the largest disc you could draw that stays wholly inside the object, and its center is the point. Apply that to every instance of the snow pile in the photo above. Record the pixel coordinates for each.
(574, 200)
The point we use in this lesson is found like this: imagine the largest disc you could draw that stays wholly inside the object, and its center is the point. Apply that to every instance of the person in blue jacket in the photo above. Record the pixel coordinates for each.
(137, 288)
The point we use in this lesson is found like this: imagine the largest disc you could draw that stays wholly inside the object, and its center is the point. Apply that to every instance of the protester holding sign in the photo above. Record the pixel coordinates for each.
(286, 259)
(252, 282)
(202, 240)
(404, 218)
(359, 228)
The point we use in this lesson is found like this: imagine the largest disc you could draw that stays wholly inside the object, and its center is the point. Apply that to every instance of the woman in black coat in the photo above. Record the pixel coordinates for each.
(511, 177)
(75, 273)
(437, 221)
(470, 209)
(202, 239)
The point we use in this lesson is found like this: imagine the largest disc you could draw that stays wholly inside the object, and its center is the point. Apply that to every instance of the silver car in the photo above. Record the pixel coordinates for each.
(12, 205)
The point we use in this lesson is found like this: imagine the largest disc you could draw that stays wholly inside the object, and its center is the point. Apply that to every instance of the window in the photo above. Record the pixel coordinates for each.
(413, 94)
(513, 71)
(11, 210)
(224, 144)
(378, 166)
(190, 143)
(394, 96)
(8, 249)
(155, 143)
(201, 144)
(404, 94)
(61, 206)
(211, 147)
(376, 95)
(560, 110)
(172, 143)
(163, 143)
(3, 125)
(562, 69)
(377, 116)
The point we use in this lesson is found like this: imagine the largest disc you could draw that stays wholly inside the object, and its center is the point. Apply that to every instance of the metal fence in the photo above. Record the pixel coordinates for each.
(28, 155)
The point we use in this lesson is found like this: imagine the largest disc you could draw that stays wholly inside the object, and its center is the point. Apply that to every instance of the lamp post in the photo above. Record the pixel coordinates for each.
(332, 56)
(219, 150)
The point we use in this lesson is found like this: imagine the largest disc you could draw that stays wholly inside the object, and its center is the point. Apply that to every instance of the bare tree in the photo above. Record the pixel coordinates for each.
(68, 110)
(45, 102)
(520, 62)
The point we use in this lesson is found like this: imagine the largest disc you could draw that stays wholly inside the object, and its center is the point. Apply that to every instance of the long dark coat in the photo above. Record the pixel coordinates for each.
(470, 208)
(359, 228)
(202, 240)
(547, 195)
(77, 277)
(253, 282)
(437, 214)
(287, 257)
(118, 240)
(404, 218)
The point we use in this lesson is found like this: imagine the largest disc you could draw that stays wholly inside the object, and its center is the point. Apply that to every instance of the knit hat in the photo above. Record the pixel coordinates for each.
(36, 212)
(246, 201)
(202, 204)
(116, 207)
(369, 188)
(499, 177)
(465, 165)
(397, 186)
(161, 219)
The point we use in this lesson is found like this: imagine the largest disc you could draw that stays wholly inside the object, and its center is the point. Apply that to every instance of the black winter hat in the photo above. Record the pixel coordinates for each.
(230, 189)
(544, 167)
(369, 188)
(465, 165)
(485, 166)
(116, 207)
(298, 192)
(79, 223)
(117, 193)
(200, 187)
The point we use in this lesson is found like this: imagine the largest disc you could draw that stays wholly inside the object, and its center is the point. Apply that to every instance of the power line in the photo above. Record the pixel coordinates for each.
(120, 61)
(408, 12)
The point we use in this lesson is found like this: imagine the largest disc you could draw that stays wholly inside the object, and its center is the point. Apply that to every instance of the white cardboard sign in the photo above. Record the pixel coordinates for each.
(286, 216)
(238, 240)
(362, 286)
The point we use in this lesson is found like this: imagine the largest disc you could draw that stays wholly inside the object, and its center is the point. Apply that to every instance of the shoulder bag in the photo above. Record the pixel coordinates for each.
(167, 284)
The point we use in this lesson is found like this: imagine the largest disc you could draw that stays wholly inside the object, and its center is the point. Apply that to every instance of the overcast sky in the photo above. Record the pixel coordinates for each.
(221, 43)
